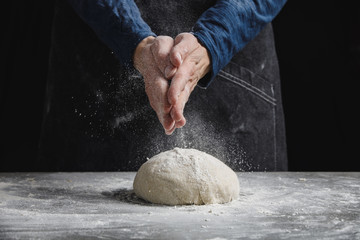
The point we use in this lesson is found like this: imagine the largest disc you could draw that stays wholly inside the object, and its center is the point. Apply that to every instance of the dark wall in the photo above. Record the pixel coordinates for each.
(318, 44)
(319, 53)
(24, 51)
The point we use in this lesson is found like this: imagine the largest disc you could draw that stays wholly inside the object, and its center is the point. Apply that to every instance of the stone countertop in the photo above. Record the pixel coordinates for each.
(90, 205)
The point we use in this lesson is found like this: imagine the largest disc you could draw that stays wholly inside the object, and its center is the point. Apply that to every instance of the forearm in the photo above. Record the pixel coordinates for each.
(117, 23)
(229, 25)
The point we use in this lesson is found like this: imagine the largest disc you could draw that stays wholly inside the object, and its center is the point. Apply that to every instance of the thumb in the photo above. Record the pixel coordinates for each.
(184, 44)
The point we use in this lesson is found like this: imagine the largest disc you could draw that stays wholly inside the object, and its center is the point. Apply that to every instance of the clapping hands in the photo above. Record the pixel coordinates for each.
(182, 60)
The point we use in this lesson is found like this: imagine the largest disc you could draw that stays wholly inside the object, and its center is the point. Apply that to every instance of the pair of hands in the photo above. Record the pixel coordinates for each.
(182, 60)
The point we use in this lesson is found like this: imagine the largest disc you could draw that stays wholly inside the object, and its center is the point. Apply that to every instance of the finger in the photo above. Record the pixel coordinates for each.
(177, 111)
(181, 123)
(160, 95)
(163, 114)
(170, 71)
(185, 43)
(168, 124)
(156, 90)
(184, 74)
(170, 131)
(160, 50)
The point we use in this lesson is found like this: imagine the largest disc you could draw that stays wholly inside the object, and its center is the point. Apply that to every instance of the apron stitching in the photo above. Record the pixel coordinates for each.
(249, 87)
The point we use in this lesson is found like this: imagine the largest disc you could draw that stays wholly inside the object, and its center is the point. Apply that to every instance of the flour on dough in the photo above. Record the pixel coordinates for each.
(186, 176)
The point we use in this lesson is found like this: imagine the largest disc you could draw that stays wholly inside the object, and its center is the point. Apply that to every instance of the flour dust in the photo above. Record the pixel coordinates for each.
(118, 110)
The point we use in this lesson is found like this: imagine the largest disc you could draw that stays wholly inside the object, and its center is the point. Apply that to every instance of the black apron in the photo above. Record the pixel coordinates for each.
(98, 118)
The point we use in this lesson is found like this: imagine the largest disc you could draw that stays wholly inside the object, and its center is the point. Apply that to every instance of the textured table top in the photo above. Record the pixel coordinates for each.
(283, 205)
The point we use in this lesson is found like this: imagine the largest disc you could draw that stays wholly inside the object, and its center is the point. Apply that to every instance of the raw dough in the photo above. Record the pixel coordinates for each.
(186, 176)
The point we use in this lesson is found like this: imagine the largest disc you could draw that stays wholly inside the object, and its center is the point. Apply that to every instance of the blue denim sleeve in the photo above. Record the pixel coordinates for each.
(117, 23)
(228, 26)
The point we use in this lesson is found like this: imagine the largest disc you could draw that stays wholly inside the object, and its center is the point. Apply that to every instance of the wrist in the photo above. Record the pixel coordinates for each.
(139, 51)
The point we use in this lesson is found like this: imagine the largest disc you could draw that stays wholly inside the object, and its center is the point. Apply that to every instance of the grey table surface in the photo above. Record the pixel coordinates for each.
(280, 205)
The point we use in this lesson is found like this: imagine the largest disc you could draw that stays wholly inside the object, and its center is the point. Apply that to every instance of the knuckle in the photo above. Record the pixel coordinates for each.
(154, 47)
(179, 37)
(168, 39)
(165, 41)
(162, 38)
(159, 84)
(162, 55)
(192, 69)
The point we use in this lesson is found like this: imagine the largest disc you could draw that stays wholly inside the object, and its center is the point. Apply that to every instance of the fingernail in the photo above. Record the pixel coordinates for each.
(179, 57)
(172, 115)
(173, 71)
(172, 125)
(169, 71)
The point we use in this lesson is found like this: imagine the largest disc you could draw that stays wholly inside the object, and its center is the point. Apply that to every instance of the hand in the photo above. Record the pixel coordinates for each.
(192, 62)
(151, 59)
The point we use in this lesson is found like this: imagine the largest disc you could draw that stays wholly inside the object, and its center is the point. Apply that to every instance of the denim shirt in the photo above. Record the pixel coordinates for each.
(224, 29)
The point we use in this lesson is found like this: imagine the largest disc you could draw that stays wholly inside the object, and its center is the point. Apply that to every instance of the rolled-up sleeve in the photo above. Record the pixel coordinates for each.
(117, 23)
(229, 25)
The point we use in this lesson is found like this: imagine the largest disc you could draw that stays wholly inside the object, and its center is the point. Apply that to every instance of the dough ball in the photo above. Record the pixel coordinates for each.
(186, 176)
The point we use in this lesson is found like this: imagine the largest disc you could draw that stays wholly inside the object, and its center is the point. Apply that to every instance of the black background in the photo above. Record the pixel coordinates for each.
(318, 47)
